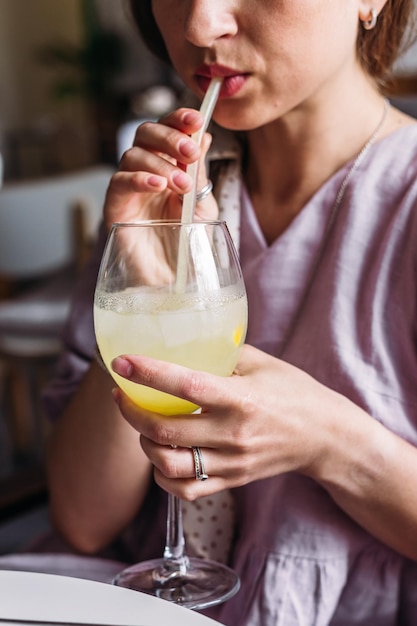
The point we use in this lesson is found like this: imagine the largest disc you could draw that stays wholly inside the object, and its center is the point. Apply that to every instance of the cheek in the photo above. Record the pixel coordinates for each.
(321, 44)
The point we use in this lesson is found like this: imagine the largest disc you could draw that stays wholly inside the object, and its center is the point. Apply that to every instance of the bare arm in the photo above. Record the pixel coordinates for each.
(369, 471)
(98, 474)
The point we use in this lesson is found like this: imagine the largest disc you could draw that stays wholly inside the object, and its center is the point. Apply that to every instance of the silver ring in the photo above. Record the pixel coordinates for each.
(205, 191)
(200, 473)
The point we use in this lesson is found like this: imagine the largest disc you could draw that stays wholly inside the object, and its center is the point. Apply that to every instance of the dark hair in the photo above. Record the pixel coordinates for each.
(141, 11)
(378, 49)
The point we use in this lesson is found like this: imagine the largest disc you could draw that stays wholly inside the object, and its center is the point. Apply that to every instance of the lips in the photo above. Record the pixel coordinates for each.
(233, 80)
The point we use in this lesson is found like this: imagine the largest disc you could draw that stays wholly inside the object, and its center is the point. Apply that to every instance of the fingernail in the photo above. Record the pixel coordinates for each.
(181, 179)
(190, 117)
(122, 366)
(116, 395)
(155, 181)
(187, 147)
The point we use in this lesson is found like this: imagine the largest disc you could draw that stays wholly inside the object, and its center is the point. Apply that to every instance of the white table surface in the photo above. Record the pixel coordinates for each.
(52, 598)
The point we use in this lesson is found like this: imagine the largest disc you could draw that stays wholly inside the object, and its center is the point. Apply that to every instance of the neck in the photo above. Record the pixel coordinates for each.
(290, 159)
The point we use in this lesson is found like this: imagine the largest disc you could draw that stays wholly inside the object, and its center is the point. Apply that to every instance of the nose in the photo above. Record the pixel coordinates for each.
(209, 20)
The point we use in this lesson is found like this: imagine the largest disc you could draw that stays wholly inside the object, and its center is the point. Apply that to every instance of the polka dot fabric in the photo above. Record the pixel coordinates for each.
(208, 526)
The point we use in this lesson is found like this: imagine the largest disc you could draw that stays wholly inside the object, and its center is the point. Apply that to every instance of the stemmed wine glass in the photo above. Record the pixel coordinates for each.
(175, 292)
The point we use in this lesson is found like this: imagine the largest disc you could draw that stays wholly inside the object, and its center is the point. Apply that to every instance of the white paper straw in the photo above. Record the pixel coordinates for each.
(207, 108)
(189, 200)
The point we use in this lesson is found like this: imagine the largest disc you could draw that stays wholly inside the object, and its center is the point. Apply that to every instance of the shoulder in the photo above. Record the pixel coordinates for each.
(397, 150)
(390, 171)
(382, 209)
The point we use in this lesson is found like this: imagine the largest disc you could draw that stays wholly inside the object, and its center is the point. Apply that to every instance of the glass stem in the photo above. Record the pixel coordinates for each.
(174, 553)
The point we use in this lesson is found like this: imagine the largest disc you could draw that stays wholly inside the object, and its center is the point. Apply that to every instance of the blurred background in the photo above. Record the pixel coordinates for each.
(75, 80)
(71, 72)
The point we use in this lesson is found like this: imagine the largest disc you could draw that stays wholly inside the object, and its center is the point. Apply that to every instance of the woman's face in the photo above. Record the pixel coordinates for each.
(274, 55)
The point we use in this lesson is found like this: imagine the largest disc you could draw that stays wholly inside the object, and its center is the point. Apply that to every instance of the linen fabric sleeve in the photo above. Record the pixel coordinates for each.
(78, 338)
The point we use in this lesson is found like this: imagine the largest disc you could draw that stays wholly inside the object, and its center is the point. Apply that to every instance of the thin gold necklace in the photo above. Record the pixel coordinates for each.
(358, 160)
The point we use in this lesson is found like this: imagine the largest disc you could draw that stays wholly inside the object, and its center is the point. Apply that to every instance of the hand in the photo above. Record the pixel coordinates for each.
(152, 176)
(267, 418)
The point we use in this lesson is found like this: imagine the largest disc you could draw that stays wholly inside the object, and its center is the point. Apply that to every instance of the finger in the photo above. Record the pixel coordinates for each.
(172, 462)
(124, 183)
(184, 119)
(158, 138)
(178, 462)
(122, 201)
(142, 164)
(175, 469)
(190, 489)
(175, 430)
(198, 387)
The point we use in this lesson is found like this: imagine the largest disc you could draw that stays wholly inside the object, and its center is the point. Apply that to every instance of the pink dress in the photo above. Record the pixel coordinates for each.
(352, 324)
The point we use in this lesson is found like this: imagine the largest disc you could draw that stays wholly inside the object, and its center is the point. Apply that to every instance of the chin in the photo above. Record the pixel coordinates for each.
(239, 122)
(241, 115)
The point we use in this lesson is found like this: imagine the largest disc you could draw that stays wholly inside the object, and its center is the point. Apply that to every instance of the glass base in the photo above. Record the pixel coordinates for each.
(199, 585)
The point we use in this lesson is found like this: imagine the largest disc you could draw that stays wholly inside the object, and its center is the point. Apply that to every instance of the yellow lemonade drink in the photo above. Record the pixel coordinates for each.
(203, 332)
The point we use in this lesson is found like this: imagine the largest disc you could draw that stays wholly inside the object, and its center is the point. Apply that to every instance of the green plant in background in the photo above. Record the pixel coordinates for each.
(89, 71)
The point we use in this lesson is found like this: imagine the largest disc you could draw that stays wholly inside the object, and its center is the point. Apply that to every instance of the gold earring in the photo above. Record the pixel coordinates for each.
(371, 22)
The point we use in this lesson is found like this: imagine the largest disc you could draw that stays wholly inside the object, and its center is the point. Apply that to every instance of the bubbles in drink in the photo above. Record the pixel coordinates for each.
(203, 332)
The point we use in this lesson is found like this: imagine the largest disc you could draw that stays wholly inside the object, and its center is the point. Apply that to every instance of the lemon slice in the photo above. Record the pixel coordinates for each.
(237, 335)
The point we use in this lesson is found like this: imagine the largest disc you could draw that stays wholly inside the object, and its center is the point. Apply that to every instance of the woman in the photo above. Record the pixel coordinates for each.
(315, 433)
